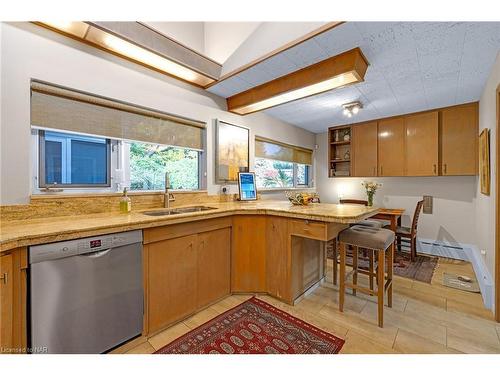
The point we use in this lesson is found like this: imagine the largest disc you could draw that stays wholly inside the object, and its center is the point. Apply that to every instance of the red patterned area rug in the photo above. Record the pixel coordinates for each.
(255, 327)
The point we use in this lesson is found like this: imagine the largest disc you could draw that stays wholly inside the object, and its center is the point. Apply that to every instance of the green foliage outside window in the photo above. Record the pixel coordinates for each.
(148, 164)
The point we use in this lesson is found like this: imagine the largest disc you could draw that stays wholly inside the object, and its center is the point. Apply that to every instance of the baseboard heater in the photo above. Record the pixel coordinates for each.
(468, 253)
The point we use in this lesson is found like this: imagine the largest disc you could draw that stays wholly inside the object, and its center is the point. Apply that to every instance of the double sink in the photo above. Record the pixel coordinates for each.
(177, 211)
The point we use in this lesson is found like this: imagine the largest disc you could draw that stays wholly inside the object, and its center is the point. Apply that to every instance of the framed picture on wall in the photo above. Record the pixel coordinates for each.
(231, 152)
(484, 161)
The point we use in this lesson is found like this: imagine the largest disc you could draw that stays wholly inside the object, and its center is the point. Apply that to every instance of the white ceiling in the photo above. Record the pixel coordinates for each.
(414, 66)
(216, 40)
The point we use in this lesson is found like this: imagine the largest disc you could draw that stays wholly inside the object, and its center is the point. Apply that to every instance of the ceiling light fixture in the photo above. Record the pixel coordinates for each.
(351, 109)
(111, 41)
(337, 71)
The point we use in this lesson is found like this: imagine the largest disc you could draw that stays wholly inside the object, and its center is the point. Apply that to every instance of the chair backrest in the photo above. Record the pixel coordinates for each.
(353, 201)
(414, 223)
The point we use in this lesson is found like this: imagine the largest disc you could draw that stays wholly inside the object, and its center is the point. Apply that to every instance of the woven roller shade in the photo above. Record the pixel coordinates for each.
(269, 149)
(67, 110)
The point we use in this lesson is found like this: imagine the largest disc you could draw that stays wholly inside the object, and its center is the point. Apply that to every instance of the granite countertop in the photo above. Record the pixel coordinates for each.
(20, 233)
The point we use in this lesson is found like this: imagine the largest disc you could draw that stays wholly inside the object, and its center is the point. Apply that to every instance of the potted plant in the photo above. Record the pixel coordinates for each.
(370, 187)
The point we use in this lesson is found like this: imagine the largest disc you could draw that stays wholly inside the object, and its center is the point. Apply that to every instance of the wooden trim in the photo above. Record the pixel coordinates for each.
(310, 35)
(352, 61)
(497, 198)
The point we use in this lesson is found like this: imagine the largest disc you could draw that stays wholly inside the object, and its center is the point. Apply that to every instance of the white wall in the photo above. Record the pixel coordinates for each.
(453, 218)
(29, 51)
(485, 205)
(191, 34)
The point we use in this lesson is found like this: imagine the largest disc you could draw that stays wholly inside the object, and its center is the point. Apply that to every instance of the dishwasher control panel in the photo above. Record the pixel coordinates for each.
(41, 253)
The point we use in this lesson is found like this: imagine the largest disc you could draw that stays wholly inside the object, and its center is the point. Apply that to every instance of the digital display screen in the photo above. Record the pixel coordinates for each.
(95, 243)
(248, 191)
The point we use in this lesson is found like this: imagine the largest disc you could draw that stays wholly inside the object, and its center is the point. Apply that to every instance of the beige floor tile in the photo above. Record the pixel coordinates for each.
(226, 304)
(168, 335)
(144, 348)
(410, 343)
(359, 344)
(420, 326)
(360, 324)
(469, 309)
(201, 317)
(427, 298)
(472, 343)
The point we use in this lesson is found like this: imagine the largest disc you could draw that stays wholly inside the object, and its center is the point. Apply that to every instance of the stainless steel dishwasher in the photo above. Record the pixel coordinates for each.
(86, 295)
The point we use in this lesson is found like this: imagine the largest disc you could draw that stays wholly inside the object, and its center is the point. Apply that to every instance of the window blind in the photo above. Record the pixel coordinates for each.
(269, 149)
(53, 107)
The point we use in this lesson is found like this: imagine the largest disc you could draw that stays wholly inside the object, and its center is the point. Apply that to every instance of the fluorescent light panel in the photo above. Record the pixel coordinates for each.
(129, 50)
(329, 84)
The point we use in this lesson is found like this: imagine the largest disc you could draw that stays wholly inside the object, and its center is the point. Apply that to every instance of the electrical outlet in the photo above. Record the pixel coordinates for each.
(483, 252)
(224, 189)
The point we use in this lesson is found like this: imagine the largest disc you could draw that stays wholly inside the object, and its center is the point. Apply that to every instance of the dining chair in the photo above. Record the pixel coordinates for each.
(409, 234)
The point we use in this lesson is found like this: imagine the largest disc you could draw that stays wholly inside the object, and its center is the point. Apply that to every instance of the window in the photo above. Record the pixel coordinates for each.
(280, 174)
(148, 164)
(80, 161)
(73, 160)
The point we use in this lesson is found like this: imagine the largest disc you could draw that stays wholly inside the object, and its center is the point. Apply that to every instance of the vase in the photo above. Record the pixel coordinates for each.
(370, 199)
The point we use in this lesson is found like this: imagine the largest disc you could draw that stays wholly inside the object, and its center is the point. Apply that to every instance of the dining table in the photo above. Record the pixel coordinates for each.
(393, 215)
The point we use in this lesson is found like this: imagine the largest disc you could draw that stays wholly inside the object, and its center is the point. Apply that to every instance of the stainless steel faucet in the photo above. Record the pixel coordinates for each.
(168, 197)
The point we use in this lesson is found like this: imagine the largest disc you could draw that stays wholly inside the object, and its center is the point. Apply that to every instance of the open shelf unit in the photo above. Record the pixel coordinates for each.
(339, 151)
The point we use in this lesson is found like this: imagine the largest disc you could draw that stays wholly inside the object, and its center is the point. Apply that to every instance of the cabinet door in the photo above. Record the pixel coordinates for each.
(277, 258)
(391, 147)
(459, 148)
(364, 149)
(6, 302)
(214, 265)
(248, 261)
(422, 145)
(172, 269)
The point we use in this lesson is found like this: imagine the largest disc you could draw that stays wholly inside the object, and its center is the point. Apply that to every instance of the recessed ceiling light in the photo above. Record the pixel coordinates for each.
(337, 71)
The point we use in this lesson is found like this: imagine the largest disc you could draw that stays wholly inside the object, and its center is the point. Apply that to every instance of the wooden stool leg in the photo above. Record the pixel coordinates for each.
(390, 269)
(335, 261)
(380, 291)
(342, 277)
(355, 268)
(370, 267)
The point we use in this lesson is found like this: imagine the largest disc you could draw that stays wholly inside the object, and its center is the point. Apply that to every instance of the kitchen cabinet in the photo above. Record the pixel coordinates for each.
(277, 257)
(187, 267)
(459, 140)
(13, 301)
(391, 147)
(422, 146)
(248, 261)
(172, 280)
(214, 266)
(364, 149)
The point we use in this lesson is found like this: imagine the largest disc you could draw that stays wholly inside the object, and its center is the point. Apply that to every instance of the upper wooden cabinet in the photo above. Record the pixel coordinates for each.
(440, 142)
(364, 149)
(422, 146)
(391, 147)
(459, 148)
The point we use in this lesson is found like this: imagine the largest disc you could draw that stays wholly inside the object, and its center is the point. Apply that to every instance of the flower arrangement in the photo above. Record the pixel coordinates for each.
(370, 187)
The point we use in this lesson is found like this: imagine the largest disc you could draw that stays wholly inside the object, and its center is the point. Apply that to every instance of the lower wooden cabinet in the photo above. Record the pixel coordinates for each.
(277, 258)
(248, 261)
(13, 301)
(172, 280)
(214, 266)
(186, 273)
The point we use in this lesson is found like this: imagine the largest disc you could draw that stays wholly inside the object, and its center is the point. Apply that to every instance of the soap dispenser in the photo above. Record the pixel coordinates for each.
(125, 202)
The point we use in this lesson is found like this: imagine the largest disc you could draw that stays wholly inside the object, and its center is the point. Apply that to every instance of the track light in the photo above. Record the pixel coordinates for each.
(351, 108)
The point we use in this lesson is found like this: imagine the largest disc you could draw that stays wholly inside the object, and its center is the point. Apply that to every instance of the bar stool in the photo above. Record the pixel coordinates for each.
(379, 241)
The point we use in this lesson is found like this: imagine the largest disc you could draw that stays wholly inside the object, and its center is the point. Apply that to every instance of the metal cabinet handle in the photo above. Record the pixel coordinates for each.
(381, 170)
(445, 168)
(434, 168)
(374, 171)
(4, 277)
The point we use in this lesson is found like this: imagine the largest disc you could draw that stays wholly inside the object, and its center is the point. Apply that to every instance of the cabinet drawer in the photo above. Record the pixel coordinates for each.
(309, 229)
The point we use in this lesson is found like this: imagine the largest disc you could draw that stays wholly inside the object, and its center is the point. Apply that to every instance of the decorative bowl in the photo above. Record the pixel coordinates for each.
(298, 199)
